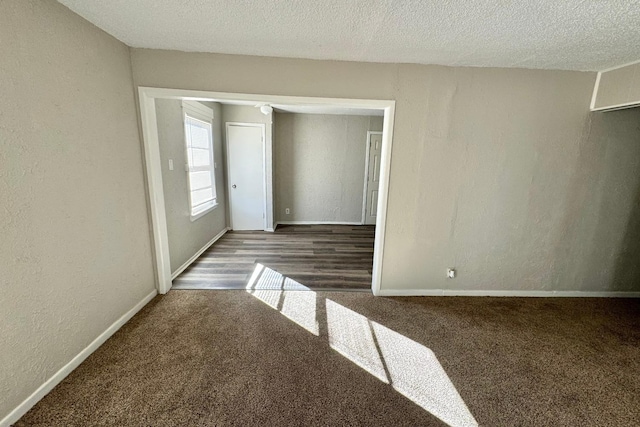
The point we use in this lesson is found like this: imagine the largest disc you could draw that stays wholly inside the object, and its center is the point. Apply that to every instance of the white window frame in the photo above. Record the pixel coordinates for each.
(200, 112)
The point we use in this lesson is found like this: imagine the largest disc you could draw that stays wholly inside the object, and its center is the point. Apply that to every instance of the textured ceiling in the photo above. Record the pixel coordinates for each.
(553, 34)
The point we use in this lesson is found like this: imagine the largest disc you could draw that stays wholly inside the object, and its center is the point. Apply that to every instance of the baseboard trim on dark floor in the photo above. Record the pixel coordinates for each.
(62, 373)
(506, 293)
(190, 261)
(236, 288)
(318, 223)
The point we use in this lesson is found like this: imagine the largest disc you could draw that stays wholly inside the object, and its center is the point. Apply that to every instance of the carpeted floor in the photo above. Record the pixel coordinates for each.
(269, 358)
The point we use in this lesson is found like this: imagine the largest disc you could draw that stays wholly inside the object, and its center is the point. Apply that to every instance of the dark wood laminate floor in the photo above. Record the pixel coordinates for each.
(319, 257)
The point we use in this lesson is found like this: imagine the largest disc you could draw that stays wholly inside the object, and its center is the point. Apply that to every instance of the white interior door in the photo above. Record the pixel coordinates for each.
(373, 177)
(245, 154)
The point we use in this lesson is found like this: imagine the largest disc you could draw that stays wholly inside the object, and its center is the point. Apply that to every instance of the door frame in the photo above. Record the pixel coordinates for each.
(264, 168)
(153, 165)
(366, 174)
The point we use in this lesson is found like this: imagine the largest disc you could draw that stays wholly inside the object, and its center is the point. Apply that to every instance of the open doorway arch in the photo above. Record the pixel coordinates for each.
(147, 97)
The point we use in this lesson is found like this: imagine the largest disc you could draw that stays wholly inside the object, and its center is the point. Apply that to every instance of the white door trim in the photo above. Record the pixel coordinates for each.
(153, 166)
(264, 169)
(151, 145)
(366, 174)
(383, 196)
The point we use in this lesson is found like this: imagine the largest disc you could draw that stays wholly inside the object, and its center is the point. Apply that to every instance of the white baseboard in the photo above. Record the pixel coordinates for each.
(493, 293)
(45, 388)
(184, 266)
(318, 223)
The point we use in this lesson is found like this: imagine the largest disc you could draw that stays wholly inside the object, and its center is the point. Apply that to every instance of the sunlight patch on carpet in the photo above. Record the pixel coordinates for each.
(417, 374)
(351, 336)
(294, 300)
(300, 307)
(412, 369)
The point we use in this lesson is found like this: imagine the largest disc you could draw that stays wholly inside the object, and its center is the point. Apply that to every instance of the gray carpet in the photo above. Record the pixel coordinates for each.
(203, 358)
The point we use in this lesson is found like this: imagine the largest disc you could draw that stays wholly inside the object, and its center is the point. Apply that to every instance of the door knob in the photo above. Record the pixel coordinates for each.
(233, 186)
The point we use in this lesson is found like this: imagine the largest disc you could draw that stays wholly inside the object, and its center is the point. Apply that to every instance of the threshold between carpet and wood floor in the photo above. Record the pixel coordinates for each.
(267, 357)
(319, 257)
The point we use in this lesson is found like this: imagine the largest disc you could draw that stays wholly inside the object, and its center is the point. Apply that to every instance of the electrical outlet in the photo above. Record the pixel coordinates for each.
(451, 273)
(170, 164)
(287, 211)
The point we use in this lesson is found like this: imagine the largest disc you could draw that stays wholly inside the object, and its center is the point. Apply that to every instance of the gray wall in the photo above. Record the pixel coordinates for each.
(601, 230)
(486, 165)
(619, 86)
(319, 166)
(502, 173)
(75, 242)
(186, 238)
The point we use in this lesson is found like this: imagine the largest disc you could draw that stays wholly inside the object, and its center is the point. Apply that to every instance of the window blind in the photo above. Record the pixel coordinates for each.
(200, 165)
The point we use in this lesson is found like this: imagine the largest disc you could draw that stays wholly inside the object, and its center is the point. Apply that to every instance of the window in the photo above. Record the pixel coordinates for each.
(200, 164)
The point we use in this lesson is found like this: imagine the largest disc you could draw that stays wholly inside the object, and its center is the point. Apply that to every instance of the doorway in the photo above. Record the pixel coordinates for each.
(245, 166)
(372, 177)
(147, 99)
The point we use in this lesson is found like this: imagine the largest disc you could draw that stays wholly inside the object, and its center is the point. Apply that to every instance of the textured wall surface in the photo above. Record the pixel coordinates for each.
(319, 166)
(620, 86)
(249, 114)
(187, 237)
(75, 241)
(571, 34)
(601, 233)
(489, 166)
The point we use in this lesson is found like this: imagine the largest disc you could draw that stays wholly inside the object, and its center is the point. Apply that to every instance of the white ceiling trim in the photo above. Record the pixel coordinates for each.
(281, 107)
